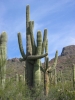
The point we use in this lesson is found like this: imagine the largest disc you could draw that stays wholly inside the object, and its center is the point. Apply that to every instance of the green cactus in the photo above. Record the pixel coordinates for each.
(33, 52)
(3, 57)
(52, 69)
(48, 69)
(73, 67)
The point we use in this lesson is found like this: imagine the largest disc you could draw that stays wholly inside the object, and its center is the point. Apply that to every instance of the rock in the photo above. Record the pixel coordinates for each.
(68, 50)
(14, 60)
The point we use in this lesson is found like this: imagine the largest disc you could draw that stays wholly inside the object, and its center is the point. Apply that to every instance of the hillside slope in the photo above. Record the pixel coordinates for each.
(65, 61)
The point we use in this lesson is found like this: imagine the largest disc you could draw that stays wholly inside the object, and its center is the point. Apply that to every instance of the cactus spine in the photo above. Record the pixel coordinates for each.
(3, 57)
(33, 52)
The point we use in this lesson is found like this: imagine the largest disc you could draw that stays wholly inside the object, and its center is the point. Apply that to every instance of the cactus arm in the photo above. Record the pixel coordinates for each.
(46, 46)
(28, 29)
(51, 68)
(20, 46)
(39, 48)
(44, 40)
(39, 43)
(55, 60)
(34, 57)
(31, 32)
(54, 66)
(31, 25)
(27, 17)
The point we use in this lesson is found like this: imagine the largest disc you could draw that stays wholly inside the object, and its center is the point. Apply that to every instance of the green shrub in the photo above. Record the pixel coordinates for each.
(62, 91)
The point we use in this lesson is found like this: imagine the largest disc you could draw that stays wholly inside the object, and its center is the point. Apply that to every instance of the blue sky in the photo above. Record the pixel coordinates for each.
(58, 16)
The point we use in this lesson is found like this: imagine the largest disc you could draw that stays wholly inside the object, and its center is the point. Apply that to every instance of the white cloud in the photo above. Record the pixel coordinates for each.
(48, 8)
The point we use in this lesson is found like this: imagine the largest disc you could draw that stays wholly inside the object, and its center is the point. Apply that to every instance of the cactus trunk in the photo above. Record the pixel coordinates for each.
(46, 83)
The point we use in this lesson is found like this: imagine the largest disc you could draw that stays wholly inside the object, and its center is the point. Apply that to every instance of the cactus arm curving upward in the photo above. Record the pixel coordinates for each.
(54, 64)
(21, 46)
(27, 18)
(34, 57)
(44, 40)
(55, 60)
(31, 25)
(46, 47)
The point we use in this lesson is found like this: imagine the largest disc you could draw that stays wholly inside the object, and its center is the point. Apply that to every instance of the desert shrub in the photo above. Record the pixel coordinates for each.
(62, 91)
(15, 91)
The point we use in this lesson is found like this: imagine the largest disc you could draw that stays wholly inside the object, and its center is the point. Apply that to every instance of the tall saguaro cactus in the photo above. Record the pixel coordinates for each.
(33, 52)
(3, 56)
(48, 69)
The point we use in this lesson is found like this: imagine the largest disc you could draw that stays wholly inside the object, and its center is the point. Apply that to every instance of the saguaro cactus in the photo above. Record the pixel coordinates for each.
(73, 67)
(33, 52)
(48, 69)
(3, 56)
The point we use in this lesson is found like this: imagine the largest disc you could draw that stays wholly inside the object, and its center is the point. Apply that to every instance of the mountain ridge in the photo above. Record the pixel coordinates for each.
(65, 60)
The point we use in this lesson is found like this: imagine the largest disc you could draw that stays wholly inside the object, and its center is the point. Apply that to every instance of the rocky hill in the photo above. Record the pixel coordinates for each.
(15, 66)
(65, 61)
(67, 57)
(69, 50)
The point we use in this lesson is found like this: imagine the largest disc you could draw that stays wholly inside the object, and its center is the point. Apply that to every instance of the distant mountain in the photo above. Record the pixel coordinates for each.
(15, 66)
(65, 61)
(69, 50)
